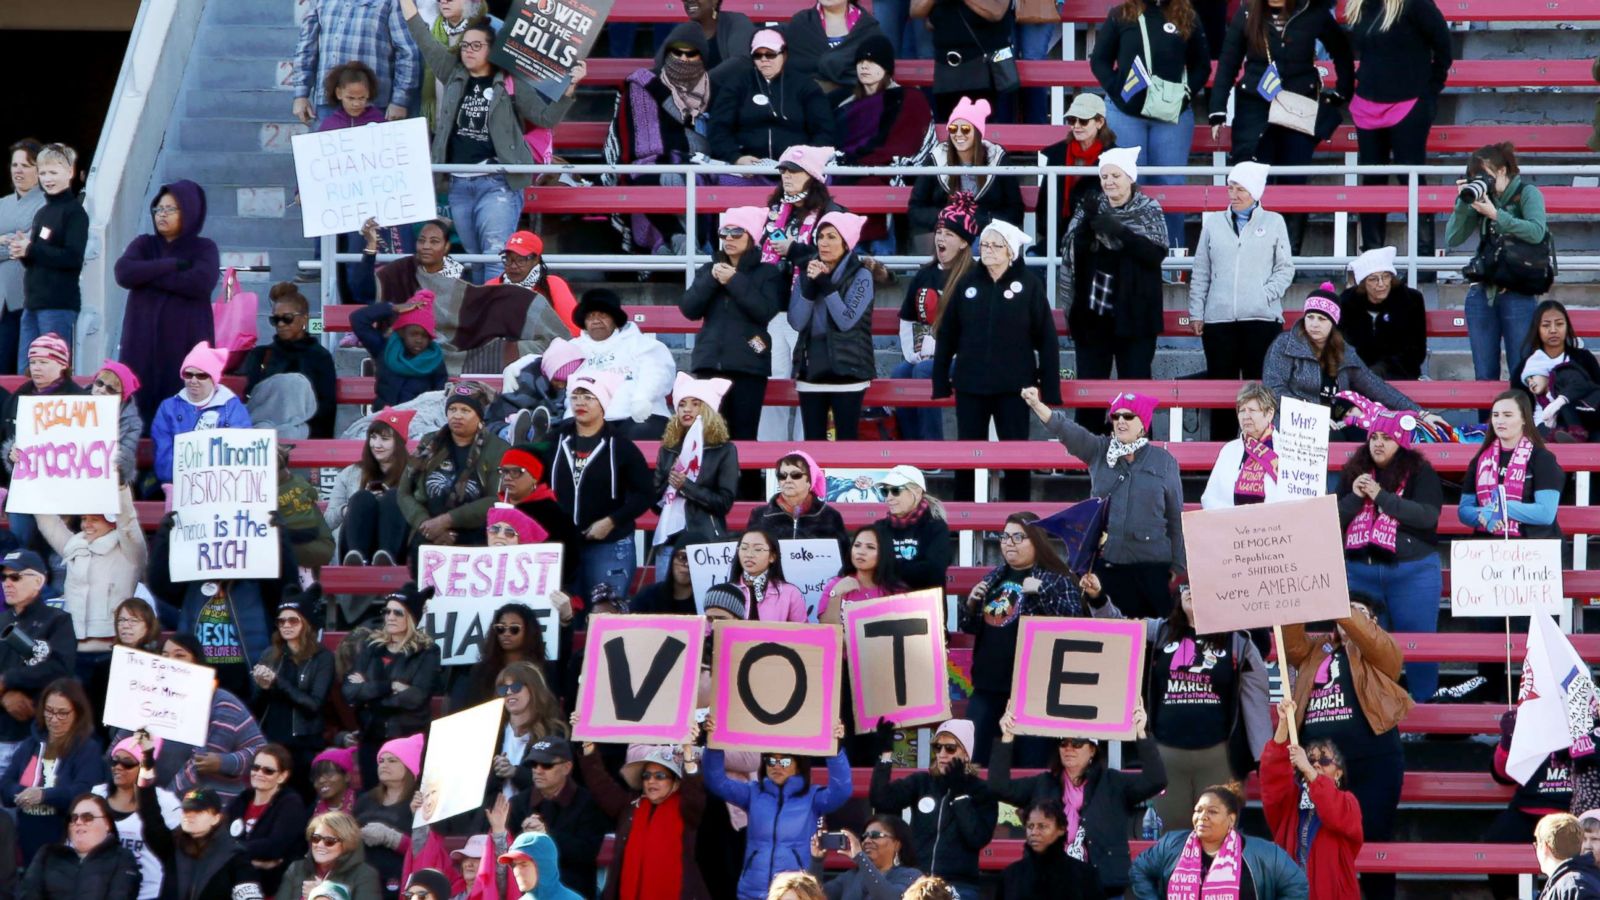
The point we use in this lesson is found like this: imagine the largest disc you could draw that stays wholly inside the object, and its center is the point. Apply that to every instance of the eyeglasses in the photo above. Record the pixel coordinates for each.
(1075, 743)
(1124, 417)
(192, 375)
(875, 835)
(512, 471)
(506, 690)
(129, 620)
(325, 840)
(12, 576)
(730, 231)
(1013, 537)
(474, 46)
(124, 763)
(283, 320)
(991, 245)
(746, 548)
(264, 770)
(510, 628)
(960, 128)
(782, 762)
(764, 56)
(102, 385)
(165, 210)
(83, 818)
(791, 475)
(657, 775)
(58, 714)
(684, 52)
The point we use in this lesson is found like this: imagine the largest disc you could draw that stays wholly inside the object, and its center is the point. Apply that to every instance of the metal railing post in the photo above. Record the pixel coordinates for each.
(1412, 179)
(330, 270)
(691, 243)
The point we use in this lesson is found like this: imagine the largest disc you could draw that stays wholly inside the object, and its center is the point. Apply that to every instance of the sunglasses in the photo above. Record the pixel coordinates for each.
(264, 770)
(782, 762)
(283, 320)
(418, 894)
(501, 529)
(506, 690)
(962, 129)
(952, 747)
(12, 576)
(1075, 743)
(684, 52)
(545, 766)
(730, 231)
(875, 835)
(791, 475)
(122, 763)
(510, 628)
(1124, 417)
(1074, 120)
(101, 384)
(397, 613)
(325, 840)
(656, 775)
(1320, 761)
(764, 56)
(288, 620)
(891, 490)
(196, 376)
(83, 818)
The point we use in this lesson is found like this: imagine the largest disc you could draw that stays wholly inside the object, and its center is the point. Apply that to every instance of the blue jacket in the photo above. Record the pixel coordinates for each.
(76, 773)
(782, 820)
(1274, 872)
(177, 415)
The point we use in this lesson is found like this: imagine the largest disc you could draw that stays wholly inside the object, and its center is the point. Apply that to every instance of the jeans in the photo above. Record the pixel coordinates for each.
(1410, 590)
(1034, 42)
(910, 37)
(1165, 144)
(36, 322)
(486, 211)
(1491, 325)
(918, 423)
(610, 562)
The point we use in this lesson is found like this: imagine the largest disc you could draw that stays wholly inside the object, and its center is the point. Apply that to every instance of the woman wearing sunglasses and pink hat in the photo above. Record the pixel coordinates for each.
(962, 142)
(830, 308)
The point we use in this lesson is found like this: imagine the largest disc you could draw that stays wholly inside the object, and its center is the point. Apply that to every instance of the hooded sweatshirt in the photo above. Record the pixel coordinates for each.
(180, 415)
(645, 364)
(543, 852)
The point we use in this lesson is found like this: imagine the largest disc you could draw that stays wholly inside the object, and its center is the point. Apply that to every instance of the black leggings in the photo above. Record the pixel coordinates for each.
(373, 523)
(1235, 350)
(1010, 416)
(846, 407)
(1376, 781)
(741, 408)
(1404, 143)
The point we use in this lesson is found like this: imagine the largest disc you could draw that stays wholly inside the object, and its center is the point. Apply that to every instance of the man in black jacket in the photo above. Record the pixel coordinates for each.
(37, 645)
(566, 809)
(1558, 844)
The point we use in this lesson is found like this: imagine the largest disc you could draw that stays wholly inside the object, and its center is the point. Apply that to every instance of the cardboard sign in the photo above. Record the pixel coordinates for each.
(225, 489)
(1505, 578)
(349, 175)
(470, 583)
(1301, 442)
(777, 687)
(168, 697)
(1077, 677)
(461, 750)
(808, 564)
(897, 659)
(1266, 564)
(543, 39)
(709, 564)
(66, 456)
(639, 679)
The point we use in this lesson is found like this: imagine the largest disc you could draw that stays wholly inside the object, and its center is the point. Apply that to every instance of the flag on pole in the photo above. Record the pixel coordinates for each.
(1138, 79)
(1555, 705)
(1079, 527)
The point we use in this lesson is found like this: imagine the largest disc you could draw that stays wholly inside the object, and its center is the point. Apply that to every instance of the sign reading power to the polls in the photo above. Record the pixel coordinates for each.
(640, 675)
(777, 687)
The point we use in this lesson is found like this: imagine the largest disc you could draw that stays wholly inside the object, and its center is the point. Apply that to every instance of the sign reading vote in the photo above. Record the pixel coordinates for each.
(349, 175)
(225, 488)
(777, 687)
(809, 564)
(897, 659)
(709, 564)
(640, 674)
(1077, 677)
(169, 697)
(66, 451)
(1505, 578)
(1266, 564)
(470, 583)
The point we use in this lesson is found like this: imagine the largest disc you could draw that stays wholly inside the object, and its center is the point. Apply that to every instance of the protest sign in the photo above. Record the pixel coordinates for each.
(709, 564)
(349, 175)
(225, 489)
(1077, 677)
(808, 564)
(168, 697)
(1301, 442)
(640, 675)
(470, 583)
(1505, 578)
(461, 749)
(777, 687)
(66, 455)
(897, 659)
(543, 39)
(1266, 564)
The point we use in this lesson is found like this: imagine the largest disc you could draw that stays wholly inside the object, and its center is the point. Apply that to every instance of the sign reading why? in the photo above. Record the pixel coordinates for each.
(1505, 578)
(225, 487)
(640, 674)
(1301, 442)
(1266, 564)
(777, 687)
(470, 583)
(349, 175)
(66, 456)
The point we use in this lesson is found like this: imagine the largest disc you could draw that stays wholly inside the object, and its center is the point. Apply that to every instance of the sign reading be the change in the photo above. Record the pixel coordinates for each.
(225, 488)
(349, 175)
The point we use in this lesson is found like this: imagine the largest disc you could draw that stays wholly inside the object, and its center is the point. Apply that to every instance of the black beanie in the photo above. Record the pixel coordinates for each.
(878, 49)
(433, 881)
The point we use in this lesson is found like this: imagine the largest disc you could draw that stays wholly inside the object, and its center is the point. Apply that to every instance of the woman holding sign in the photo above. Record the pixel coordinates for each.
(60, 761)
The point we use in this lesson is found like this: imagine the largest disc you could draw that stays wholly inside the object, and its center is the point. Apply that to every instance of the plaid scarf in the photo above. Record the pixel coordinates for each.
(1141, 214)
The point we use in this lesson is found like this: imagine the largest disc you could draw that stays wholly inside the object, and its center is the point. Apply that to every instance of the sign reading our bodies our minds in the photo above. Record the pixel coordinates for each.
(470, 583)
(349, 175)
(1505, 578)
(225, 488)
(66, 450)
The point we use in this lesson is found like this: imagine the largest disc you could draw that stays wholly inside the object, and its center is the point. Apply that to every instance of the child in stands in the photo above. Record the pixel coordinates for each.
(409, 360)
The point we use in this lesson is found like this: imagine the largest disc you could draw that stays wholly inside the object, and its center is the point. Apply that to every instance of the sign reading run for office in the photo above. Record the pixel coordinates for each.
(225, 487)
(349, 175)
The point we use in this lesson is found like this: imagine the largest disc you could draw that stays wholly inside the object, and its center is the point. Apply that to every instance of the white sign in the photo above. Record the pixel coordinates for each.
(470, 583)
(809, 564)
(66, 455)
(1505, 578)
(349, 175)
(709, 564)
(461, 749)
(225, 489)
(168, 697)
(1301, 442)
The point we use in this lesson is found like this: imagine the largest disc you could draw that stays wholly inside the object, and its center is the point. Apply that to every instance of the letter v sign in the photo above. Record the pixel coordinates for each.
(631, 705)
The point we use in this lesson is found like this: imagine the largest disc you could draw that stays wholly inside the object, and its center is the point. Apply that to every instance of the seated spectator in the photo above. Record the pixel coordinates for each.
(830, 309)
(59, 761)
(880, 123)
(446, 493)
(1045, 868)
(930, 887)
(385, 812)
(758, 571)
(727, 34)
(1384, 319)
(52, 253)
(365, 505)
(919, 534)
(294, 349)
(657, 815)
(523, 484)
(515, 637)
(170, 277)
(122, 812)
(927, 299)
(536, 869)
(91, 864)
(1246, 470)
(798, 509)
(203, 404)
(745, 129)
(393, 678)
(1088, 136)
(885, 860)
(511, 527)
(953, 814)
(869, 572)
(1324, 836)
(1143, 545)
(523, 259)
(964, 144)
(612, 344)
(533, 392)
(269, 820)
(116, 380)
(705, 499)
(795, 886)
(137, 628)
(823, 41)
(336, 779)
(565, 809)
(532, 714)
(1553, 350)
(23, 672)
(105, 561)
(202, 859)
(292, 681)
(300, 521)
(16, 217)
(1571, 873)
(1216, 857)
(409, 361)
(673, 593)
(968, 37)
(336, 856)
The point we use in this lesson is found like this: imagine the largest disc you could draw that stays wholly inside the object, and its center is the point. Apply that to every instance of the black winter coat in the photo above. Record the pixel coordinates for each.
(1577, 878)
(733, 335)
(385, 714)
(1000, 344)
(708, 499)
(1578, 357)
(306, 357)
(280, 833)
(108, 872)
(1295, 53)
(615, 482)
(54, 263)
(1415, 509)
(819, 521)
(578, 826)
(794, 111)
(809, 50)
(1136, 286)
(1118, 43)
(998, 197)
(1390, 337)
(1409, 61)
(1049, 874)
(220, 870)
(28, 673)
(949, 834)
(839, 354)
(921, 551)
(295, 697)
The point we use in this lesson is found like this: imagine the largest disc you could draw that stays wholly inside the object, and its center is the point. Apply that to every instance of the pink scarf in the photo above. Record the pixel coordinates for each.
(1190, 882)
(852, 15)
(1072, 803)
(780, 221)
(1488, 479)
(1373, 527)
(1260, 462)
(1370, 114)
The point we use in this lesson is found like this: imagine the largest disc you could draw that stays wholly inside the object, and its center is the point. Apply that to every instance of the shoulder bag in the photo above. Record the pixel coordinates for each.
(995, 70)
(1163, 99)
(1512, 264)
(1316, 116)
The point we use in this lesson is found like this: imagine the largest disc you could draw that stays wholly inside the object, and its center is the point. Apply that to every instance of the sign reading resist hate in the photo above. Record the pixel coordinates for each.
(225, 486)
(1505, 578)
(66, 456)
(470, 583)
(349, 175)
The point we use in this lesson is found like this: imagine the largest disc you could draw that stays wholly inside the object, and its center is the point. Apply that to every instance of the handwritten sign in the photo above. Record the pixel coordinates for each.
(809, 564)
(897, 659)
(640, 674)
(777, 687)
(1505, 578)
(461, 748)
(470, 583)
(709, 564)
(1077, 677)
(543, 39)
(169, 697)
(348, 175)
(1301, 442)
(66, 455)
(225, 488)
(1268, 564)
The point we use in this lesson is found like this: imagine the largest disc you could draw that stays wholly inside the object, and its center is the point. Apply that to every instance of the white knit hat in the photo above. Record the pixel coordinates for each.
(1014, 237)
(1252, 176)
(1124, 158)
(1373, 262)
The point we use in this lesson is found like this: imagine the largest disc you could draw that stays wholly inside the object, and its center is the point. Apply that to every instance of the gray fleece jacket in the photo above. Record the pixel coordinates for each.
(1292, 370)
(1144, 523)
(1241, 275)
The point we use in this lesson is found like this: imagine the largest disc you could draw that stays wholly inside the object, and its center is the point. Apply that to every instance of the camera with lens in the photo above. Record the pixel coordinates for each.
(1475, 188)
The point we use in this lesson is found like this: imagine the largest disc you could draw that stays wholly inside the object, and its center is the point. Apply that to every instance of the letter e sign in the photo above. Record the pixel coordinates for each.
(1077, 677)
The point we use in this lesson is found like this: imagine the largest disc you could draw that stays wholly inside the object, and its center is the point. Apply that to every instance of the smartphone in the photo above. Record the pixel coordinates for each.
(833, 840)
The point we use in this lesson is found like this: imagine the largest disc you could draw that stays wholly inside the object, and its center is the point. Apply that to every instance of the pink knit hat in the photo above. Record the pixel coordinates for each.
(819, 478)
(961, 729)
(709, 391)
(53, 347)
(1138, 404)
(130, 381)
(974, 111)
(1324, 300)
(848, 224)
(811, 160)
(753, 219)
(344, 758)
(603, 385)
(130, 746)
(207, 359)
(1397, 425)
(409, 749)
(561, 359)
(528, 531)
(422, 315)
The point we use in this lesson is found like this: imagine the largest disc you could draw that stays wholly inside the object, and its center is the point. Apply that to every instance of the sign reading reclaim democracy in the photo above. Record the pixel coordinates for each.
(1505, 578)
(897, 659)
(1266, 564)
(470, 583)
(640, 674)
(169, 697)
(543, 39)
(66, 456)
(777, 687)
(1077, 677)
(225, 488)
(349, 175)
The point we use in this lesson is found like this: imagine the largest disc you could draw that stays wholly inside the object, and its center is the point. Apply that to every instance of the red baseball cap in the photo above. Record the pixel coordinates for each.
(525, 243)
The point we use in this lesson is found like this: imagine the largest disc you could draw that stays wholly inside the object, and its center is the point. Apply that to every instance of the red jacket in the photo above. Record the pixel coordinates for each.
(1331, 864)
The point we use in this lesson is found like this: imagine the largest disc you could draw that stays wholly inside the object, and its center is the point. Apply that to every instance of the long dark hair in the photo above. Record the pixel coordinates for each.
(980, 154)
(492, 659)
(1044, 552)
(371, 470)
(817, 201)
(884, 575)
(1257, 27)
(71, 691)
(1532, 342)
(1501, 156)
(1331, 356)
(1400, 471)
(1525, 406)
(774, 571)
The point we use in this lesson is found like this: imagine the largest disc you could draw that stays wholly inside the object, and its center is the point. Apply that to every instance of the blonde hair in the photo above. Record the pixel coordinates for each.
(716, 427)
(1391, 12)
(415, 640)
(929, 887)
(338, 824)
(1260, 393)
(804, 885)
(59, 153)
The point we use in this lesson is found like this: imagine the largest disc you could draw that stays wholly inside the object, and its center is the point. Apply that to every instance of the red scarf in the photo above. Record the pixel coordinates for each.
(795, 510)
(1260, 462)
(1078, 155)
(910, 518)
(652, 863)
(1489, 484)
(1371, 526)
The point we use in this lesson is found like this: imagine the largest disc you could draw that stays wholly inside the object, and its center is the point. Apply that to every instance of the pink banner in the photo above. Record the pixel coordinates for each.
(777, 687)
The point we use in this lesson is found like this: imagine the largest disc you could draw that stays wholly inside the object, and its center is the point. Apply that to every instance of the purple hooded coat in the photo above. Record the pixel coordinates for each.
(169, 287)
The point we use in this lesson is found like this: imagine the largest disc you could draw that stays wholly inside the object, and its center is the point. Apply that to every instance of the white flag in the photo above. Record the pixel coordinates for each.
(1555, 708)
(690, 454)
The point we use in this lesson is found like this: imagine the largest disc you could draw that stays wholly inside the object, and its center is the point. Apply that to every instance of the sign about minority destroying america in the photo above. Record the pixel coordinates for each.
(347, 176)
(225, 487)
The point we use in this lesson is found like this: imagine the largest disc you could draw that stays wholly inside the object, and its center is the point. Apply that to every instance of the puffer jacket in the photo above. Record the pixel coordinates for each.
(1274, 872)
(952, 820)
(733, 332)
(1240, 276)
(1144, 523)
(108, 872)
(1292, 370)
(782, 819)
(645, 364)
(710, 496)
(834, 324)
(177, 415)
(101, 573)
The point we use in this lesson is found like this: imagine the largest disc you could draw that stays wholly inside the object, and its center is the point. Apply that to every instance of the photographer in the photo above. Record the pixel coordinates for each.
(1495, 201)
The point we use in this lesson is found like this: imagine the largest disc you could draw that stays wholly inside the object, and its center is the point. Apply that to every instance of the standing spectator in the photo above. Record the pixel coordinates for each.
(49, 368)
(169, 276)
(1572, 873)
(1242, 267)
(927, 299)
(1384, 319)
(953, 813)
(1323, 835)
(365, 506)
(448, 23)
(916, 527)
(1512, 209)
(1215, 858)
(447, 492)
(122, 801)
(335, 32)
(823, 41)
(673, 593)
(52, 252)
(727, 34)
(523, 485)
(657, 816)
(1549, 789)
(91, 864)
(968, 37)
(336, 857)
(880, 123)
(294, 349)
(105, 562)
(17, 210)
(535, 867)
(1246, 471)
(885, 861)
(515, 637)
(1000, 332)
(1513, 486)
(799, 509)
(203, 404)
(757, 571)
(759, 112)
(59, 761)
(644, 367)
(205, 861)
(270, 819)
(1169, 42)
(393, 678)
(707, 498)
(1310, 361)
(292, 681)
(566, 809)
(409, 361)
(994, 197)
(830, 308)
(1046, 869)
(24, 673)
(1088, 136)
(347, 92)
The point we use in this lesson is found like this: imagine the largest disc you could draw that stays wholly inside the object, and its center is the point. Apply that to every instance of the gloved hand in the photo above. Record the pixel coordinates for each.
(811, 288)
(956, 776)
(883, 737)
(377, 834)
(1108, 224)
